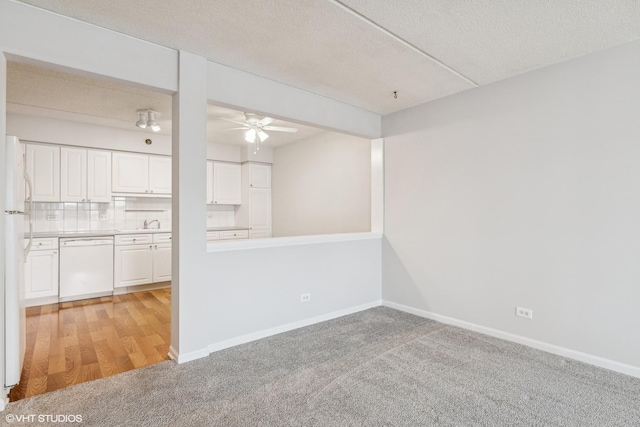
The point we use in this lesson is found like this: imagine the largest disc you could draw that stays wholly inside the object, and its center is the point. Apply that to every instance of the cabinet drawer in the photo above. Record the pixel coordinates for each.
(134, 239)
(162, 238)
(234, 234)
(213, 235)
(43, 244)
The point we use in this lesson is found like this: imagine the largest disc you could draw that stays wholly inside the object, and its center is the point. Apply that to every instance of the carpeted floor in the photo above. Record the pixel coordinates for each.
(380, 367)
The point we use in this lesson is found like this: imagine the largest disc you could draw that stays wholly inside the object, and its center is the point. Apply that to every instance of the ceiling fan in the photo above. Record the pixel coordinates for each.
(255, 127)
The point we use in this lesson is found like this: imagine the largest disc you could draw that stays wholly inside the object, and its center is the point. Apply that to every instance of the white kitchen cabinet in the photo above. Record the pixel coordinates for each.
(255, 211)
(41, 271)
(43, 167)
(141, 174)
(141, 259)
(209, 182)
(130, 173)
(227, 184)
(259, 175)
(160, 175)
(73, 174)
(98, 176)
(259, 209)
(162, 262)
(85, 175)
(259, 234)
(133, 265)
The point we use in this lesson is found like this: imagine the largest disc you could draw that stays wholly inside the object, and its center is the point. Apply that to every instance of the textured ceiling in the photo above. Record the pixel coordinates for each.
(361, 51)
(41, 92)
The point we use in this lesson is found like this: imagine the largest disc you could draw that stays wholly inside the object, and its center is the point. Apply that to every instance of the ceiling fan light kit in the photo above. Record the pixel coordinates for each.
(148, 118)
(255, 127)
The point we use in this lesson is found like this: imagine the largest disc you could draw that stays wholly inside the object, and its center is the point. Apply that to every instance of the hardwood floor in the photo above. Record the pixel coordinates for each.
(70, 343)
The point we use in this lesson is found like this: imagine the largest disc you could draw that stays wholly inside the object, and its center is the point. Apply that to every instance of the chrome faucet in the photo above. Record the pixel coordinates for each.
(147, 224)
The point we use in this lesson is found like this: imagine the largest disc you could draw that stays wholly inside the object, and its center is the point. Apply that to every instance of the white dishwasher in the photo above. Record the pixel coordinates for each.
(86, 268)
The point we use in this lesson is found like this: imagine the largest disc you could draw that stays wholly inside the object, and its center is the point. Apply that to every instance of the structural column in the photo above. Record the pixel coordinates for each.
(189, 218)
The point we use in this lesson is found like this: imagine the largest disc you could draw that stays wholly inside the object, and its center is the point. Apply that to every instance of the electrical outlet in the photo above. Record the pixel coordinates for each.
(305, 297)
(103, 216)
(524, 312)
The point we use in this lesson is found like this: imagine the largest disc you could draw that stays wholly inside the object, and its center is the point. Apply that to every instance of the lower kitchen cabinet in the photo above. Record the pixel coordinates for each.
(142, 262)
(162, 262)
(41, 274)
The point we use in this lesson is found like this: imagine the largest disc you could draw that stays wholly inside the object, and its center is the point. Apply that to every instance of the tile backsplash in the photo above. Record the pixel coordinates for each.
(123, 213)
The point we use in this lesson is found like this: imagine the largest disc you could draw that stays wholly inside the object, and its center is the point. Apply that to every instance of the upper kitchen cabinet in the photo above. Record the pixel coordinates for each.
(85, 175)
(141, 174)
(160, 174)
(43, 167)
(258, 174)
(224, 183)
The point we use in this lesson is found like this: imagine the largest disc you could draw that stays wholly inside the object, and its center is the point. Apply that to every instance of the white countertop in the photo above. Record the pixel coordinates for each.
(97, 233)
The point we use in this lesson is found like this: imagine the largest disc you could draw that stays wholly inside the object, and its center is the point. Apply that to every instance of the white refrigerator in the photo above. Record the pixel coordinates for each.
(17, 211)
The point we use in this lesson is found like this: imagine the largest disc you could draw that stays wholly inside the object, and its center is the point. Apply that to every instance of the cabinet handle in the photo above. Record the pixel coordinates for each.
(83, 200)
(55, 252)
(134, 240)
(151, 191)
(88, 200)
(215, 202)
(150, 246)
(156, 246)
(146, 191)
(250, 185)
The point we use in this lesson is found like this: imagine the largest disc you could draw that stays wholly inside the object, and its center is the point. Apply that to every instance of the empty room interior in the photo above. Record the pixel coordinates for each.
(332, 212)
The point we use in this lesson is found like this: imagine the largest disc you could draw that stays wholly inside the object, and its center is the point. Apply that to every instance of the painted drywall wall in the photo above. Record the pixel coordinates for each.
(3, 131)
(32, 35)
(321, 185)
(63, 132)
(523, 193)
(253, 291)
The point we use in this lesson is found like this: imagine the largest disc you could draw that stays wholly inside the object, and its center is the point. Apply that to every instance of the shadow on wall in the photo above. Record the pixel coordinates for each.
(397, 284)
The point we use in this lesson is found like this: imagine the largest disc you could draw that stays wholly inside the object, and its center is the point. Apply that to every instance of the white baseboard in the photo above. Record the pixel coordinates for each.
(601, 362)
(243, 339)
(4, 402)
(187, 357)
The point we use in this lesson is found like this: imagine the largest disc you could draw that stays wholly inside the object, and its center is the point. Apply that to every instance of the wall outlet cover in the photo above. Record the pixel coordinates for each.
(524, 312)
(305, 297)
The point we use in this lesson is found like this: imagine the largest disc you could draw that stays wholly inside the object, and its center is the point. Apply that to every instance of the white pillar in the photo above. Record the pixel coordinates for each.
(189, 218)
(377, 185)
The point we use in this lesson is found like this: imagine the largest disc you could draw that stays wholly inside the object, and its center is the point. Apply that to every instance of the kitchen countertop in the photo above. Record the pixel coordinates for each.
(98, 233)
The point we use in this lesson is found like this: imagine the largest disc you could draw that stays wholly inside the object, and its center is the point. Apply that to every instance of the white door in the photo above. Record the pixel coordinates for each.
(98, 176)
(133, 265)
(162, 262)
(160, 175)
(130, 173)
(259, 208)
(227, 183)
(43, 166)
(209, 182)
(73, 174)
(259, 175)
(41, 274)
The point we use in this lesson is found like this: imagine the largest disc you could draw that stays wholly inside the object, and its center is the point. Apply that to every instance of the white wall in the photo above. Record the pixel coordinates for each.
(3, 131)
(256, 292)
(322, 185)
(64, 132)
(524, 192)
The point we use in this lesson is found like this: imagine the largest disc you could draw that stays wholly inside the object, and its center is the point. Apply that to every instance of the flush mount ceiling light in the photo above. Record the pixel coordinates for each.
(148, 118)
(255, 127)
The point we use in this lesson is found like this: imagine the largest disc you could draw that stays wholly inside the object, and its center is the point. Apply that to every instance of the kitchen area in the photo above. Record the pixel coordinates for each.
(101, 218)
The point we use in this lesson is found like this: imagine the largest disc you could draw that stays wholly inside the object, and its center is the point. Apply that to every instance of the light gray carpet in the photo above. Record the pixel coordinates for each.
(380, 367)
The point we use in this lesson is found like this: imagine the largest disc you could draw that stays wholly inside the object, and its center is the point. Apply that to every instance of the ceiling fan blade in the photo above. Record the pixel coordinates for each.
(265, 121)
(244, 128)
(279, 129)
(233, 121)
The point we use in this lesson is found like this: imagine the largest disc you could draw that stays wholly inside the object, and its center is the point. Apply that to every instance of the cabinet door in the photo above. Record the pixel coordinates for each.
(73, 174)
(162, 262)
(209, 182)
(43, 167)
(227, 183)
(160, 175)
(259, 208)
(259, 234)
(98, 176)
(130, 173)
(41, 274)
(259, 176)
(133, 265)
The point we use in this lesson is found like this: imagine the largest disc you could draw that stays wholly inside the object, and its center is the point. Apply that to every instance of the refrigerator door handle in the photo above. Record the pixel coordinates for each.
(30, 213)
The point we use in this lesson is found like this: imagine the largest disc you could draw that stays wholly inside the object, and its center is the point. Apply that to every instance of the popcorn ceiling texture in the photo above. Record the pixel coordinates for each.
(320, 47)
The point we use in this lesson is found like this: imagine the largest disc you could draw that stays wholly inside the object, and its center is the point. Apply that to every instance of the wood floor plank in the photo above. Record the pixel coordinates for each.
(78, 341)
